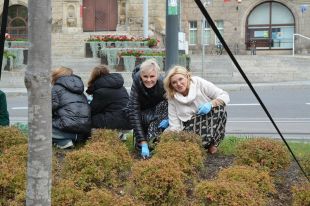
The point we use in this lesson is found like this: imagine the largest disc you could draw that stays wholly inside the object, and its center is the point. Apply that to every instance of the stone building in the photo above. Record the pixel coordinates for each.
(269, 25)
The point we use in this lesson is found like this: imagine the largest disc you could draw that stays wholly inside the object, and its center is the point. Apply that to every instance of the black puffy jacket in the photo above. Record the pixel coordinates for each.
(109, 100)
(71, 112)
(143, 99)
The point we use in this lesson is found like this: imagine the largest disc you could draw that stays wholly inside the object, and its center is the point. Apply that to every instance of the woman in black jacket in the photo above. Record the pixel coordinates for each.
(147, 106)
(110, 98)
(70, 110)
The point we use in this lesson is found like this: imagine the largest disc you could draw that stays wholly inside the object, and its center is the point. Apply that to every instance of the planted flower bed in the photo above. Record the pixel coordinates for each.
(98, 42)
(179, 172)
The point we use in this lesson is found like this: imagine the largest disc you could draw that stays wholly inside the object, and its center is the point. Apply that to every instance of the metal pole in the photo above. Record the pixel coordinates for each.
(202, 45)
(145, 19)
(172, 29)
(293, 44)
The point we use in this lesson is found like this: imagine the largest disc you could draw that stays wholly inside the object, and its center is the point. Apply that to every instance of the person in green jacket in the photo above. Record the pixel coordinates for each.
(4, 114)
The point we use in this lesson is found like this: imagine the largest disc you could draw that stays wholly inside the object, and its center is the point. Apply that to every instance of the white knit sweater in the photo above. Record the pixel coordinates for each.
(182, 108)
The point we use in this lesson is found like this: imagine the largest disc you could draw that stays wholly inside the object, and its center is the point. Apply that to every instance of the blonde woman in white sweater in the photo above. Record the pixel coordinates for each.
(197, 105)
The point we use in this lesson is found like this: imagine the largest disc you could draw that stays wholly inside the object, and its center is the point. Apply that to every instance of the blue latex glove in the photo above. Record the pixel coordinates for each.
(145, 152)
(204, 109)
(164, 124)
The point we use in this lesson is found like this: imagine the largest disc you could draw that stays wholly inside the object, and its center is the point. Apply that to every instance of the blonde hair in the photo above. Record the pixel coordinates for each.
(98, 71)
(148, 65)
(170, 92)
(59, 72)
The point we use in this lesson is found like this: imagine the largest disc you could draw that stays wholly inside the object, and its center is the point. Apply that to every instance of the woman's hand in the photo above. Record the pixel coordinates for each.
(204, 109)
(145, 152)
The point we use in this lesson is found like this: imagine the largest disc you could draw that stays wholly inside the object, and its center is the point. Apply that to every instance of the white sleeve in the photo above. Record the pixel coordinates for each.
(175, 123)
(213, 92)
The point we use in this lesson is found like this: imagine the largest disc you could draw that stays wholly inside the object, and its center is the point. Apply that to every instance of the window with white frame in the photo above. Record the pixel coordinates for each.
(220, 26)
(206, 33)
(192, 32)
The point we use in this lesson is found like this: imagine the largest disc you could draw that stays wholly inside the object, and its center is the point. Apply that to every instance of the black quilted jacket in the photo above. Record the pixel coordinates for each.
(71, 112)
(110, 98)
(141, 99)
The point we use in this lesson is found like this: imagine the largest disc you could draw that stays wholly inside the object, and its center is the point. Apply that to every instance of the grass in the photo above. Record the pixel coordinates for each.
(228, 146)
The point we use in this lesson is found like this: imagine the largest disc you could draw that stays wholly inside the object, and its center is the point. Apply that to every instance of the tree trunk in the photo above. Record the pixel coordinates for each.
(37, 82)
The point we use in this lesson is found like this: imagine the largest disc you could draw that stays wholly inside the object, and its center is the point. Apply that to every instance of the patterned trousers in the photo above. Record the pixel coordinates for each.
(211, 127)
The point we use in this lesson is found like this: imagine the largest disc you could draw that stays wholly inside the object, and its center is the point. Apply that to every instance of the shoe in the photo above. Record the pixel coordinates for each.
(69, 145)
(122, 136)
(212, 149)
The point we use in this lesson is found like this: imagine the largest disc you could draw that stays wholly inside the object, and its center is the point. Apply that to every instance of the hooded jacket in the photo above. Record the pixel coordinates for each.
(141, 100)
(110, 98)
(71, 112)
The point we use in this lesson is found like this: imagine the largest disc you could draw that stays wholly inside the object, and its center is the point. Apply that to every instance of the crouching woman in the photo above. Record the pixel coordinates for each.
(196, 105)
(70, 109)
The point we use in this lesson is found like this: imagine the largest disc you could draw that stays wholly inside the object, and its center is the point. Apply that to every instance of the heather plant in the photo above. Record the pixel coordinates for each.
(301, 194)
(263, 153)
(158, 182)
(104, 135)
(181, 136)
(188, 155)
(255, 179)
(98, 164)
(65, 193)
(13, 175)
(305, 163)
(224, 192)
(99, 197)
(10, 136)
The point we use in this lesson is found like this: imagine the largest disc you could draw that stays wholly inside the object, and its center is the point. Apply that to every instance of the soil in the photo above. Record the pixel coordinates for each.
(284, 179)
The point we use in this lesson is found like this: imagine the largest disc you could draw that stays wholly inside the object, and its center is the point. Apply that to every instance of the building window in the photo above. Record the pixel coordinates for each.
(193, 32)
(17, 21)
(206, 33)
(220, 26)
(271, 25)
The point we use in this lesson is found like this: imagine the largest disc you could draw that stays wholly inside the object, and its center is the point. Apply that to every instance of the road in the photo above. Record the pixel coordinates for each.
(288, 106)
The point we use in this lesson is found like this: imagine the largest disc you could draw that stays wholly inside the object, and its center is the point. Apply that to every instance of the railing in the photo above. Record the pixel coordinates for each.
(294, 41)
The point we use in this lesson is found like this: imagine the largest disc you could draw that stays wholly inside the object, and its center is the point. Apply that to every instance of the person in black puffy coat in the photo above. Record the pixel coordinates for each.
(109, 98)
(147, 106)
(70, 109)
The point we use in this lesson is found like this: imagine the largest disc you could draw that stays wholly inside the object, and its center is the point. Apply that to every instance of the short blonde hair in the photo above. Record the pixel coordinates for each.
(170, 92)
(59, 72)
(148, 65)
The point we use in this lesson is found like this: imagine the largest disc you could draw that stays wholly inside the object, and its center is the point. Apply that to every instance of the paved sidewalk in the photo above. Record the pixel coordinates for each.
(227, 87)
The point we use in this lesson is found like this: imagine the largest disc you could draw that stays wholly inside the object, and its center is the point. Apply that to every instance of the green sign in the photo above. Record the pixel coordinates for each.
(172, 7)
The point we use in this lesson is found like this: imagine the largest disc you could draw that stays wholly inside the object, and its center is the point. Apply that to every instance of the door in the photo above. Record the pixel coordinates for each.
(99, 15)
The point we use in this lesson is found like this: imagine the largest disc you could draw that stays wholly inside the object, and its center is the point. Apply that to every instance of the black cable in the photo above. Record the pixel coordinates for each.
(3, 30)
(219, 36)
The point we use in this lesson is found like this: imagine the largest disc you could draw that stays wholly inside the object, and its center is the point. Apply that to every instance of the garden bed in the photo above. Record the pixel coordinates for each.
(179, 172)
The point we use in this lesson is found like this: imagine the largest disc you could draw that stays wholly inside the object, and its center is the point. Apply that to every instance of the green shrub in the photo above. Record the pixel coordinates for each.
(220, 192)
(263, 153)
(98, 164)
(301, 194)
(181, 136)
(158, 182)
(255, 179)
(187, 155)
(23, 127)
(10, 136)
(13, 174)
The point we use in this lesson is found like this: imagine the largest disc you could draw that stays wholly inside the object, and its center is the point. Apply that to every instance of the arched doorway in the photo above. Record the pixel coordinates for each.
(17, 25)
(271, 25)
